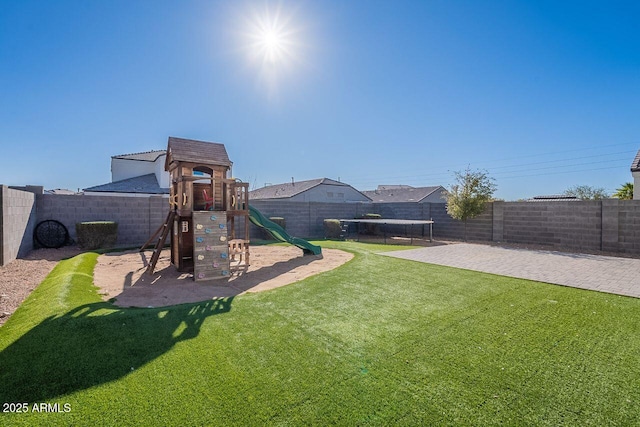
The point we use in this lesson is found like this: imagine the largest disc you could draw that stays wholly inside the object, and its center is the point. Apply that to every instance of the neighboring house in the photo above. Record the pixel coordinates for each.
(128, 166)
(406, 193)
(635, 172)
(313, 190)
(137, 174)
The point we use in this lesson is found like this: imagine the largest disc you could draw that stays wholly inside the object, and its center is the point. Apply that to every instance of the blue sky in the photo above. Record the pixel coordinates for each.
(543, 95)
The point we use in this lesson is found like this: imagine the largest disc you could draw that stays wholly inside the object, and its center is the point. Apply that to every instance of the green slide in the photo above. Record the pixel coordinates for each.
(279, 233)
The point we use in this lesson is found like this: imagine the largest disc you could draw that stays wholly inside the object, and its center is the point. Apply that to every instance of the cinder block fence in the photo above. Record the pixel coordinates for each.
(17, 221)
(608, 225)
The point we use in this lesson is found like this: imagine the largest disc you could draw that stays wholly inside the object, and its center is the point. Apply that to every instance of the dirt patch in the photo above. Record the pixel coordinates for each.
(122, 276)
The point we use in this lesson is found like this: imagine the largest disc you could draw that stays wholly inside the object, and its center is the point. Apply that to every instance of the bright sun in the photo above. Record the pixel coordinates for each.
(273, 46)
(272, 39)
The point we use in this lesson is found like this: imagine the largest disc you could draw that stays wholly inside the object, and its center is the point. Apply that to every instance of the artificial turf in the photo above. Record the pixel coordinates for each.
(378, 341)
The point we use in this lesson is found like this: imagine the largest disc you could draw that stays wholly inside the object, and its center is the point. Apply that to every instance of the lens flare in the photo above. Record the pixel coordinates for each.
(273, 41)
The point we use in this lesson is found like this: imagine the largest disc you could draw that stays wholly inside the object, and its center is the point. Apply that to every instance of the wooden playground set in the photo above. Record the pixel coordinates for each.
(206, 210)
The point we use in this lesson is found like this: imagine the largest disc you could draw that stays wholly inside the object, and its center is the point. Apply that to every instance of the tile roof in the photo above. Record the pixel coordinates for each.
(147, 156)
(401, 193)
(635, 165)
(190, 150)
(289, 189)
(145, 184)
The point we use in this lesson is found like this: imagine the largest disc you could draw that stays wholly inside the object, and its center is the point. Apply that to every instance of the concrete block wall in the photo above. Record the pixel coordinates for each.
(321, 211)
(445, 227)
(628, 226)
(576, 225)
(137, 217)
(478, 228)
(304, 219)
(410, 210)
(295, 214)
(610, 225)
(17, 222)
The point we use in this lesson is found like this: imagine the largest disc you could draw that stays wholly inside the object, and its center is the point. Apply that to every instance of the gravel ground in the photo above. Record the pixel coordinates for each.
(20, 277)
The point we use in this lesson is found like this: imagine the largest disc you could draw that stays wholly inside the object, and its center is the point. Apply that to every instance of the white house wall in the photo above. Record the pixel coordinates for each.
(125, 169)
(636, 185)
(161, 175)
(435, 197)
(330, 193)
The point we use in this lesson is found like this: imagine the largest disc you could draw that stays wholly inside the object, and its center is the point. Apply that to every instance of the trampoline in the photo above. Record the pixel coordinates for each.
(387, 222)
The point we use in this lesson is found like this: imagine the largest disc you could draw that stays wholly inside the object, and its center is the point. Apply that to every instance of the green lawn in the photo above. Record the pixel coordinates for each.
(378, 341)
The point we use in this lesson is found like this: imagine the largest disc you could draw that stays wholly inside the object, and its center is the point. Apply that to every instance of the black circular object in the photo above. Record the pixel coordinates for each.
(51, 234)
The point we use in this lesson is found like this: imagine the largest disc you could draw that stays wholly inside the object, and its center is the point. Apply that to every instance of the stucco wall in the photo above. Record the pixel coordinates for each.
(161, 175)
(435, 197)
(125, 169)
(330, 194)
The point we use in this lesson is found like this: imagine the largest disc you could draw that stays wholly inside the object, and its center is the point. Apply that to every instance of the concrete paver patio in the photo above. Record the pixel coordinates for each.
(595, 272)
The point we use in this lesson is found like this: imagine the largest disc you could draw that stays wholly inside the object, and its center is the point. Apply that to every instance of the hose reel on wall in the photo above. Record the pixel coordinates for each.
(51, 234)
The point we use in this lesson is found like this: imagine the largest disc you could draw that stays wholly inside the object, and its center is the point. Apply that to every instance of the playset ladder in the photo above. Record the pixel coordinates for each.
(163, 231)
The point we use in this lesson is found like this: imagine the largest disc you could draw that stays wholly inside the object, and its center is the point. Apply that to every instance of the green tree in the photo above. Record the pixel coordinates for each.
(625, 192)
(467, 197)
(586, 192)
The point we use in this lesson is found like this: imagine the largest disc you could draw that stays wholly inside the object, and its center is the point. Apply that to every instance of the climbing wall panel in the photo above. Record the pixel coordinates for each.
(210, 246)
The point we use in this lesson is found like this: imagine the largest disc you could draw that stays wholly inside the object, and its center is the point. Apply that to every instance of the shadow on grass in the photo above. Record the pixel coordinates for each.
(94, 344)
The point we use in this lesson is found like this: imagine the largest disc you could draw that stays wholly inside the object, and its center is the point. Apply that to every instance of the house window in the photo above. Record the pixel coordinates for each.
(329, 194)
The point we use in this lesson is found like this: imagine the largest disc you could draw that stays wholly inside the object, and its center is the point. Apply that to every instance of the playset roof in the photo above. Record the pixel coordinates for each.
(192, 151)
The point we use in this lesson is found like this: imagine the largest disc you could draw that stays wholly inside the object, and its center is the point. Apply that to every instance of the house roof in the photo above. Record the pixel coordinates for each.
(393, 187)
(145, 184)
(635, 165)
(401, 193)
(63, 191)
(192, 151)
(146, 156)
(290, 189)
